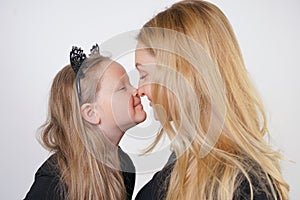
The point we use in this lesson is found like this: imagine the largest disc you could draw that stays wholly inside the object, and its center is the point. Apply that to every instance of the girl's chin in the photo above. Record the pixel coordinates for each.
(140, 117)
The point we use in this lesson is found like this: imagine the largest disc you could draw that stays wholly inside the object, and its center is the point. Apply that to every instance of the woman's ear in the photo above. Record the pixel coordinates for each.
(89, 114)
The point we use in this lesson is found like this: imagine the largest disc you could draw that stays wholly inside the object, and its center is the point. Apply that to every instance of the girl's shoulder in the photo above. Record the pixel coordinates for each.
(128, 172)
(125, 161)
(49, 167)
(46, 183)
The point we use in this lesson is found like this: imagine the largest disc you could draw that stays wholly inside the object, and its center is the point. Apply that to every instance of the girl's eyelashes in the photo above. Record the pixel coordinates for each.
(122, 87)
(125, 86)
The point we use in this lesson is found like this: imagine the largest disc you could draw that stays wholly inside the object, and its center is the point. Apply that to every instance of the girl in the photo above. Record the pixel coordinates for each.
(91, 105)
(191, 65)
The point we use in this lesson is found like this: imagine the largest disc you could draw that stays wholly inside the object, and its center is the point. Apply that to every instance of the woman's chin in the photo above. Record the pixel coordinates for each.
(155, 115)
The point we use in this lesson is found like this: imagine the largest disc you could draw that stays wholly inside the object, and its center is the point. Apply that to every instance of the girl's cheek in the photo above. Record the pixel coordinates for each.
(130, 102)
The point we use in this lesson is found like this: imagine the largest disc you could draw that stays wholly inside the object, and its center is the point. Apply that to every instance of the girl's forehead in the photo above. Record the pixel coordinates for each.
(114, 73)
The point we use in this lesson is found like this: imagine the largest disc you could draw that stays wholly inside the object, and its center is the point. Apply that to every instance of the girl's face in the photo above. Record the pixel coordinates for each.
(145, 62)
(117, 101)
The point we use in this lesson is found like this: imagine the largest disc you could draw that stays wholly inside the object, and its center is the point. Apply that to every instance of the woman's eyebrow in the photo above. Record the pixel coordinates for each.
(142, 67)
(137, 65)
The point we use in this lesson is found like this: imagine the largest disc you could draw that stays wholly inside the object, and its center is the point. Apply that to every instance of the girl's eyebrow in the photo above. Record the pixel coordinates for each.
(126, 78)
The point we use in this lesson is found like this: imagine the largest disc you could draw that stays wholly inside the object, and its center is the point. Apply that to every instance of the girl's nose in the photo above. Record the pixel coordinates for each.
(140, 92)
(134, 92)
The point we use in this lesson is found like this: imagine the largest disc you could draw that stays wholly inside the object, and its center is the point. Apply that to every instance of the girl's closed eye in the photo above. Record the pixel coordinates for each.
(123, 87)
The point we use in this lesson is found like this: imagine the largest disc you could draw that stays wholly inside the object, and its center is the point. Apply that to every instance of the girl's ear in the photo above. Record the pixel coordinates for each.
(89, 114)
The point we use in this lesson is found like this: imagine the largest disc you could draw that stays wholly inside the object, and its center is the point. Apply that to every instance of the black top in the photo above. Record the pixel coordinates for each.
(157, 187)
(47, 186)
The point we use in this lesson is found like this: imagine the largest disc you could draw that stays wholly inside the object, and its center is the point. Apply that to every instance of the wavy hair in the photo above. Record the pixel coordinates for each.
(83, 153)
(215, 88)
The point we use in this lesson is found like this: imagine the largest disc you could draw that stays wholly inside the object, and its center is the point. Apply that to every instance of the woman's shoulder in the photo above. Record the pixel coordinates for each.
(261, 185)
(157, 187)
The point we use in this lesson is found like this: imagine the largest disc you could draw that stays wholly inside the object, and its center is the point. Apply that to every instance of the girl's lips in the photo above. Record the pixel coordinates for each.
(138, 104)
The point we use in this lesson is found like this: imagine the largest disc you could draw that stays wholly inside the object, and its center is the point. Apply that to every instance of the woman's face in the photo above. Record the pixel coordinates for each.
(117, 101)
(145, 64)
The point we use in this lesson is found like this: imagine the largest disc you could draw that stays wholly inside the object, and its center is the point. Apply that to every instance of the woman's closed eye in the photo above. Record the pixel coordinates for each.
(143, 76)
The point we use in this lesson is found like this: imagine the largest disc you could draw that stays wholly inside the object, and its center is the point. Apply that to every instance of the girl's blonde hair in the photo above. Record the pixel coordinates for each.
(217, 91)
(84, 155)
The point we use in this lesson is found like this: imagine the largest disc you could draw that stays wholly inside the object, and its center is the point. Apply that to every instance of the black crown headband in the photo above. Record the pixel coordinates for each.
(77, 57)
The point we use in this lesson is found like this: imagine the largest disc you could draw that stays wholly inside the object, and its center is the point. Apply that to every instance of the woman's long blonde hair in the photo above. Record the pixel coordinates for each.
(222, 90)
(83, 153)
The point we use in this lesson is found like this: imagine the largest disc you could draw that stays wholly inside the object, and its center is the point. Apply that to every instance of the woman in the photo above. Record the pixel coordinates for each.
(91, 105)
(190, 65)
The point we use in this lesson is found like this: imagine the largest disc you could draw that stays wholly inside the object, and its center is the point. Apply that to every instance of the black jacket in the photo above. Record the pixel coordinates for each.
(157, 187)
(47, 186)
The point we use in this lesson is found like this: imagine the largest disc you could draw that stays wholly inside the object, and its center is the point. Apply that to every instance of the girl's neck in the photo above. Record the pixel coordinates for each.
(114, 135)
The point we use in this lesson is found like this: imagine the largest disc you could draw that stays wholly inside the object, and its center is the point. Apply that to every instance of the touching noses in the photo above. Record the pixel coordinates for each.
(138, 91)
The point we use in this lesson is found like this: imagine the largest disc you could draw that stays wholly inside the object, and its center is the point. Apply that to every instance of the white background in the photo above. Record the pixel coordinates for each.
(36, 37)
